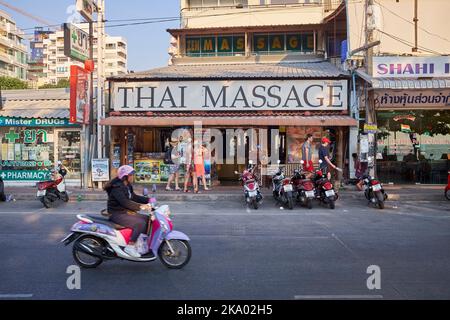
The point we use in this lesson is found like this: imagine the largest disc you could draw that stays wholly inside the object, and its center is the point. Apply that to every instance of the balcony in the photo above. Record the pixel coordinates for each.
(255, 14)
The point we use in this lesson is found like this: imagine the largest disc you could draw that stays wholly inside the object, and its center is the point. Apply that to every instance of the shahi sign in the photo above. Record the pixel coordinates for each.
(230, 95)
(412, 98)
(76, 43)
(411, 67)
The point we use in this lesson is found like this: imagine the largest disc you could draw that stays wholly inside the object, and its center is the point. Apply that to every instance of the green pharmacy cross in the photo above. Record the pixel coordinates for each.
(74, 36)
(12, 136)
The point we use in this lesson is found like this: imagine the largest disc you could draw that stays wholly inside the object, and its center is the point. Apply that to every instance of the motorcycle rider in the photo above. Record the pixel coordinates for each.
(124, 204)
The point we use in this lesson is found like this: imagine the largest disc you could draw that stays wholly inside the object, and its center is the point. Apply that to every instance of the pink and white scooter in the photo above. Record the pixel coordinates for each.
(97, 239)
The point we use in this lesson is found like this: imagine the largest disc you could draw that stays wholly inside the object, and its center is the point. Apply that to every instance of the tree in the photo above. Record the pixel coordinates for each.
(12, 83)
(65, 83)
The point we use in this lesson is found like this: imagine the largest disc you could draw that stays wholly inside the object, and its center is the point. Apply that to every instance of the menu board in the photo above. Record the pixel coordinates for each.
(148, 170)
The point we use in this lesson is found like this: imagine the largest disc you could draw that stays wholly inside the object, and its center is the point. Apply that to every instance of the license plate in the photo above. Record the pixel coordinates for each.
(287, 187)
(252, 194)
(329, 193)
(376, 187)
(309, 194)
(41, 193)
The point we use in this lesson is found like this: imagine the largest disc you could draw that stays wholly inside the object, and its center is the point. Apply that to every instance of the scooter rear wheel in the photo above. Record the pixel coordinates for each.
(380, 199)
(447, 194)
(83, 259)
(64, 197)
(309, 203)
(47, 202)
(181, 257)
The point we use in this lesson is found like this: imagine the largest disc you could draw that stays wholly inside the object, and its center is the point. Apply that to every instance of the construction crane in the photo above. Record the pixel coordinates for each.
(29, 15)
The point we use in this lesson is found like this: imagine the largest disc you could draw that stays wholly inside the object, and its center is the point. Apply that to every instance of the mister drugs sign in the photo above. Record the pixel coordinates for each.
(230, 95)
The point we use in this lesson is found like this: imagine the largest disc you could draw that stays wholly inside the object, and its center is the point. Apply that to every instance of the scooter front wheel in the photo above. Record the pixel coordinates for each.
(179, 257)
(81, 257)
(64, 197)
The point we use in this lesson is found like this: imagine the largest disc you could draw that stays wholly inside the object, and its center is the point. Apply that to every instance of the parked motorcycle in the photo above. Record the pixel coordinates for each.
(324, 189)
(374, 192)
(49, 192)
(282, 188)
(97, 239)
(304, 190)
(447, 188)
(252, 193)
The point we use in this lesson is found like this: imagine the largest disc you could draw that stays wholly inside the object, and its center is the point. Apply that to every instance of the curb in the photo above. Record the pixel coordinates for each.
(237, 196)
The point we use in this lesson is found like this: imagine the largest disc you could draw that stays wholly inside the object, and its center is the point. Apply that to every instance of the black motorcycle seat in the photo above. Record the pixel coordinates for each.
(106, 221)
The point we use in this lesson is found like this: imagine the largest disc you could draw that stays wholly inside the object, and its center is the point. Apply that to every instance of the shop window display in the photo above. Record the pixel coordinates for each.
(413, 146)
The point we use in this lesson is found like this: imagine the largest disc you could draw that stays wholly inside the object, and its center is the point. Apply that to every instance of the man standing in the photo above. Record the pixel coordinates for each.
(306, 153)
(324, 155)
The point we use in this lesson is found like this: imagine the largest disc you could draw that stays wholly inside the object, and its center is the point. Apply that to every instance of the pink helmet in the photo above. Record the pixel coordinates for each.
(125, 170)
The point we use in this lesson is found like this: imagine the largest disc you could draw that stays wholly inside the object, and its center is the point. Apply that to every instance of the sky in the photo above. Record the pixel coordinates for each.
(147, 43)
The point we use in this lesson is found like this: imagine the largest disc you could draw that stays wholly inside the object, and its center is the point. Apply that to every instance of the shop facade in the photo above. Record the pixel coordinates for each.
(257, 110)
(412, 101)
(35, 134)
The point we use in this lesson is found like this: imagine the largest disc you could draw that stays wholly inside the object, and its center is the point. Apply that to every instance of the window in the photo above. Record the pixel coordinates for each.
(216, 3)
(215, 45)
(110, 46)
(280, 42)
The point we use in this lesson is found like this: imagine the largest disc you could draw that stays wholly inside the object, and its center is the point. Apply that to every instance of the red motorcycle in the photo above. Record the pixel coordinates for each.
(304, 190)
(250, 183)
(49, 192)
(447, 188)
(324, 189)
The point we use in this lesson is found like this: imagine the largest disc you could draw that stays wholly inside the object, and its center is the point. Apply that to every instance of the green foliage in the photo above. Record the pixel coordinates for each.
(61, 84)
(12, 83)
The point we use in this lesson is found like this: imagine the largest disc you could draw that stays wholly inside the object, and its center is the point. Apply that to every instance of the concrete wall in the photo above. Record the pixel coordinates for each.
(396, 18)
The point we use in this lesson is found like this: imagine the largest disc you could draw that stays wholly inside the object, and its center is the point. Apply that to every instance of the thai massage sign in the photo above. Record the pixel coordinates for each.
(230, 95)
(412, 99)
(411, 67)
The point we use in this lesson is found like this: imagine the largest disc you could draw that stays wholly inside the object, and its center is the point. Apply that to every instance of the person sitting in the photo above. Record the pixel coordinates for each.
(124, 204)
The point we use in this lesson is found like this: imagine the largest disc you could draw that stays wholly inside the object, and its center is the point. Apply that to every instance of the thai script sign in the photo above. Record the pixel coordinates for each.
(230, 95)
(411, 67)
(76, 43)
(412, 98)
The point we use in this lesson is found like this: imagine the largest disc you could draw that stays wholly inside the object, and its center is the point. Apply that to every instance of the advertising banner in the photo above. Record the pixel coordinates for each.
(100, 170)
(79, 95)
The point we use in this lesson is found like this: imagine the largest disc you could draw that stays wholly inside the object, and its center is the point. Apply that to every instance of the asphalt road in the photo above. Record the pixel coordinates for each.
(271, 253)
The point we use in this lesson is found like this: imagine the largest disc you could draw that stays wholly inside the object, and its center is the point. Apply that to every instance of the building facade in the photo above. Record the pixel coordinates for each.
(409, 74)
(57, 65)
(35, 133)
(267, 69)
(13, 53)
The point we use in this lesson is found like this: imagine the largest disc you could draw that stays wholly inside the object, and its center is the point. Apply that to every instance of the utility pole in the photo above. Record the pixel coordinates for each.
(100, 80)
(370, 105)
(416, 20)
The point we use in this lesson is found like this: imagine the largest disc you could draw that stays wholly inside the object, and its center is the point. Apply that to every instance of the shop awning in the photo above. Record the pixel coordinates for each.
(232, 120)
(51, 103)
(405, 83)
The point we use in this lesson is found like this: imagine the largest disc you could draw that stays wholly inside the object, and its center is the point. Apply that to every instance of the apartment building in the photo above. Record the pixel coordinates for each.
(57, 65)
(260, 67)
(13, 53)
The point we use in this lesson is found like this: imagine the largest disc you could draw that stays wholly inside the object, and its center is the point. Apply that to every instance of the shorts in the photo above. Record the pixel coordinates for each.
(174, 168)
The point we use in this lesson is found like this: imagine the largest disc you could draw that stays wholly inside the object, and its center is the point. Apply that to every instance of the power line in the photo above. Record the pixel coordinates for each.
(404, 19)
(409, 44)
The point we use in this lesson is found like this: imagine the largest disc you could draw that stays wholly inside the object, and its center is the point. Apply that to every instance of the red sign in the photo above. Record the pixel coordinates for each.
(79, 95)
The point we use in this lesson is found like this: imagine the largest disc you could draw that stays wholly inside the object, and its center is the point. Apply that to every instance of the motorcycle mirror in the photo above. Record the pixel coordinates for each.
(145, 192)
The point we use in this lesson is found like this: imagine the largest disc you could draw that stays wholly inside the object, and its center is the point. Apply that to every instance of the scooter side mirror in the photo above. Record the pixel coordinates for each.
(145, 192)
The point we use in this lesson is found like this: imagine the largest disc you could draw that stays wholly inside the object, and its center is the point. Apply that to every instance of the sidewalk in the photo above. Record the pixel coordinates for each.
(225, 193)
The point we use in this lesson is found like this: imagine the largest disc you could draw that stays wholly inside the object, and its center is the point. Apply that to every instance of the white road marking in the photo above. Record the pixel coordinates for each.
(16, 296)
(339, 296)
